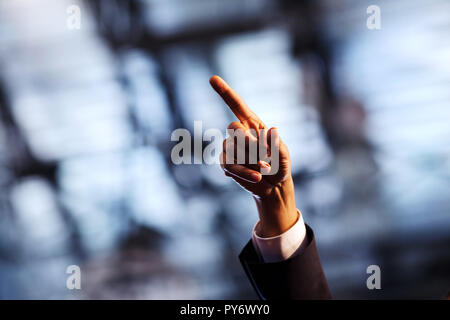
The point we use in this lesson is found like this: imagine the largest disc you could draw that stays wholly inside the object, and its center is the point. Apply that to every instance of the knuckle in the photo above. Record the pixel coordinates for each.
(234, 125)
(224, 144)
(227, 91)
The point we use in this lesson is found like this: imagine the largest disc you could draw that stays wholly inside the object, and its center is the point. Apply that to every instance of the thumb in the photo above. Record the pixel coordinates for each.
(280, 161)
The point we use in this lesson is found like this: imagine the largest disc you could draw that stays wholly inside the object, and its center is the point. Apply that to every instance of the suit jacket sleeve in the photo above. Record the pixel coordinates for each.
(299, 277)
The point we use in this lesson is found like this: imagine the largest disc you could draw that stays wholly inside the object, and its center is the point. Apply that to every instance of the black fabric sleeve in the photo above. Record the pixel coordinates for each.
(299, 277)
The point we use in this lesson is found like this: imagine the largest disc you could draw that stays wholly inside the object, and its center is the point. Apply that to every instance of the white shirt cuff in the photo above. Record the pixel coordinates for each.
(283, 246)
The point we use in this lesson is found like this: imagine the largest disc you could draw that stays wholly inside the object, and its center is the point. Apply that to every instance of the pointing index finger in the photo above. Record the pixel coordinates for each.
(232, 99)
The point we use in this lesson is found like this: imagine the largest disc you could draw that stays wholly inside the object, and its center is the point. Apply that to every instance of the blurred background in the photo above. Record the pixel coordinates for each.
(86, 117)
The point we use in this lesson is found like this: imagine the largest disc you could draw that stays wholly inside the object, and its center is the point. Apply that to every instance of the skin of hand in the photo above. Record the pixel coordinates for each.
(274, 193)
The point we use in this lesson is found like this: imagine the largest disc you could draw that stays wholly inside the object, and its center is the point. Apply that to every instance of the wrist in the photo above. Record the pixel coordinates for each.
(277, 211)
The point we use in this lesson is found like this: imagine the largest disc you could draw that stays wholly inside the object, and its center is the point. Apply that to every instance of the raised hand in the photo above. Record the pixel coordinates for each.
(270, 182)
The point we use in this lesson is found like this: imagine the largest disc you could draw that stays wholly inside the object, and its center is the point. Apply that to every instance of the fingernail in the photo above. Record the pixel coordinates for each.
(264, 167)
(255, 177)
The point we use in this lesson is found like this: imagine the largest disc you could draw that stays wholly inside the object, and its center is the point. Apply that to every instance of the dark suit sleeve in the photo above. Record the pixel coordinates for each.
(299, 277)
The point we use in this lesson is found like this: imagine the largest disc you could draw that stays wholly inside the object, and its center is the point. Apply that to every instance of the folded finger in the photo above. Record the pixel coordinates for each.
(242, 172)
